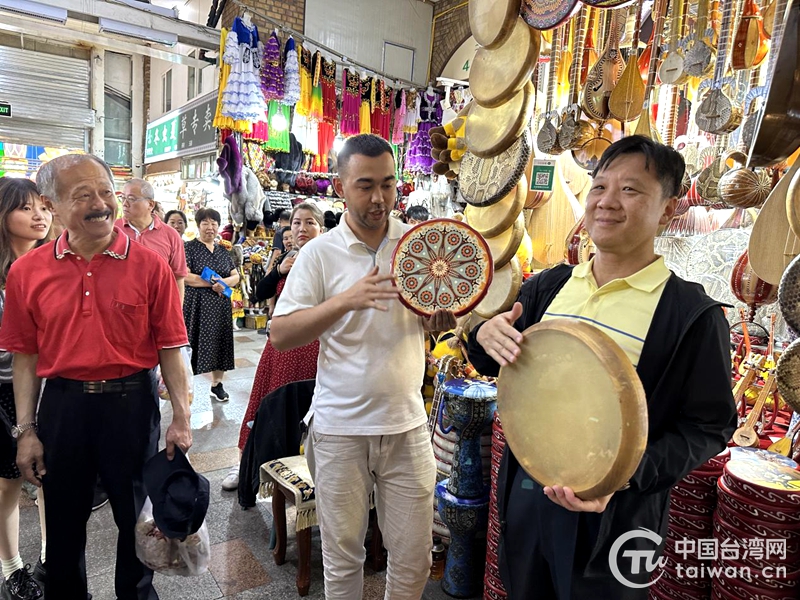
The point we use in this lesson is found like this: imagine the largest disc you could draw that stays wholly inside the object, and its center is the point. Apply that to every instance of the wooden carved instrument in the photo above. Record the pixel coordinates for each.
(492, 21)
(750, 44)
(547, 14)
(604, 75)
(671, 71)
(669, 123)
(746, 435)
(645, 124)
(778, 130)
(580, 248)
(744, 188)
(751, 115)
(773, 244)
(607, 411)
(752, 369)
(547, 138)
(608, 3)
(748, 287)
(708, 179)
(564, 65)
(625, 102)
(589, 54)
(717, 114)
(698, 61)
(768, 17)
(574, 131)
(793, 205)
(606, 133)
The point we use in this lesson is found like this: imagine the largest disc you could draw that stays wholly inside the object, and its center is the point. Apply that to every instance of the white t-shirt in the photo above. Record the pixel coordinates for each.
(371, 362)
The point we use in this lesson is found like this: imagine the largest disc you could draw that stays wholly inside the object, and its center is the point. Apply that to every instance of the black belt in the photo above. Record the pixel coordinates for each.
(136, 381)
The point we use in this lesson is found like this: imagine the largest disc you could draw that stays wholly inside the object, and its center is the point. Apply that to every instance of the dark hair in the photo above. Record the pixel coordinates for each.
(14, 194)
(668, 163)
(283, 230)
(313, 209)
(285, 215)
(176, 212)
(419, 213)
(207, 213)
(366, 144)
(330, 219)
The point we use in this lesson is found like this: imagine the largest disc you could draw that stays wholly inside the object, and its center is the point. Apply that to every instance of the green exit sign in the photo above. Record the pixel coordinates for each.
(5, 109)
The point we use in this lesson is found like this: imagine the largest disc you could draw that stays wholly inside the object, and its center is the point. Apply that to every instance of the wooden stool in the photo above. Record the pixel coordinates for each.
(289, 479)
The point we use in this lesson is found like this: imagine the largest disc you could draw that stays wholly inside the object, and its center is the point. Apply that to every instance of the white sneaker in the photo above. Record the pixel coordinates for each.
(231, 481)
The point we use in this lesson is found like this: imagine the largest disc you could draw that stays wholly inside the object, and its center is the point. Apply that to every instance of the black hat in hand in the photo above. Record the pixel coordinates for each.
(179, 494)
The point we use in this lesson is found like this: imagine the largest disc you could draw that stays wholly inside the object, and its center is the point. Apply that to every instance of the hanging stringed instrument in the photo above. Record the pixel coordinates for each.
(574, 131)
(589, 54)
(750, 44)
(748, 129)
(645, 124)
(626, 100)
(547, 138)
(698, 61)
(563, 87)
(717, 113)
(604, 75)
(671, 71)
(773, 244)
(768, 17)
(778, 129)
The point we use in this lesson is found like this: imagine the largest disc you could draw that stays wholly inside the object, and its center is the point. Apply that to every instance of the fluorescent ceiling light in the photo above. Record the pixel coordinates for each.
(135, 31)
(37, 10)
(159, 10)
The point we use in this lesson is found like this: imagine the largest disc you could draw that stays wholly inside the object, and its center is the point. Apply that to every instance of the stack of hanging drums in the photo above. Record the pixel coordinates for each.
(492, 585)
(757, 527)
(691, 514)
(492, 174)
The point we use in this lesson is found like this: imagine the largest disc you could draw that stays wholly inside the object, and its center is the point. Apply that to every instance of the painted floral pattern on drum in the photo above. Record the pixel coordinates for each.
(442, 264)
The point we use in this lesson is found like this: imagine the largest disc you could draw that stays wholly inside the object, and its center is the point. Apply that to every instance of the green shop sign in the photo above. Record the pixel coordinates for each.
(186, 131)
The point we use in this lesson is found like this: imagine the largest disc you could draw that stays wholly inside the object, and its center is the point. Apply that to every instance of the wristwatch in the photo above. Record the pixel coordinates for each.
(18, 430)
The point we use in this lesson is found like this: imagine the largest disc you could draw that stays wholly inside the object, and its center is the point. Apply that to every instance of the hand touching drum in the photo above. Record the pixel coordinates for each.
(499, 338)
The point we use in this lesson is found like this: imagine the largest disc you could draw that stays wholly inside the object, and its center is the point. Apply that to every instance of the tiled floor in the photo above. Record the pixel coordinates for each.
(241, 567)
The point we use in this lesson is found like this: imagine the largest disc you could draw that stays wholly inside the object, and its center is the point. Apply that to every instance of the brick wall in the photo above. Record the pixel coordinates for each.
(291, 13)
(451, 29)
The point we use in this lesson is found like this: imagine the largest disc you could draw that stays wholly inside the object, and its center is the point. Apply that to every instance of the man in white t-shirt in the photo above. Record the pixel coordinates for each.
(367, 425)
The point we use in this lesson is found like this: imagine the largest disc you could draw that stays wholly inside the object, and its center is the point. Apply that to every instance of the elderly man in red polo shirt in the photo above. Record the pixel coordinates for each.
(140, 224)
(93, 313)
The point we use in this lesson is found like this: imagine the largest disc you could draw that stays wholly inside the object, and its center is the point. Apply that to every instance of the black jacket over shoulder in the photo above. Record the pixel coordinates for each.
(276, 433)
(685, 370)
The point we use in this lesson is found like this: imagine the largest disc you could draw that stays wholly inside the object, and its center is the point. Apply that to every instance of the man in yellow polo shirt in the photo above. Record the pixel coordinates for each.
(555, 546)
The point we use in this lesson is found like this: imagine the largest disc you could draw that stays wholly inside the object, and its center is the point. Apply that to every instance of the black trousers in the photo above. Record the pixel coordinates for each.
(544, 550)
(86, 435)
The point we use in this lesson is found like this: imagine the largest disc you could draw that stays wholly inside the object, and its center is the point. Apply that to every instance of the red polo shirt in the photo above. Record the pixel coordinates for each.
(161, 239)
(102, 319)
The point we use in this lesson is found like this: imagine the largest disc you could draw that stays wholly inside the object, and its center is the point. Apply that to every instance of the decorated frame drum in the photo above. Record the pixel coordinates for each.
(606, 411)
(442, 264)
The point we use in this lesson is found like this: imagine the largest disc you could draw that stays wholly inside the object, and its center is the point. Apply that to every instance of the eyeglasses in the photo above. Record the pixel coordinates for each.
(132, 199)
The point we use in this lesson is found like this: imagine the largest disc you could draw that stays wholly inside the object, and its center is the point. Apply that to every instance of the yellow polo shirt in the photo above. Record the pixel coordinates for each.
(622, 308)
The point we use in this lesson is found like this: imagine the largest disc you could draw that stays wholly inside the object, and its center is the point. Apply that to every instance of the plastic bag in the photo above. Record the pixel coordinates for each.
(163, 392)
(184, 558)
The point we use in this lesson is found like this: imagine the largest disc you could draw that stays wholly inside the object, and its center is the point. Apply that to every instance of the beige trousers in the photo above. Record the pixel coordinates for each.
(402, 471)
